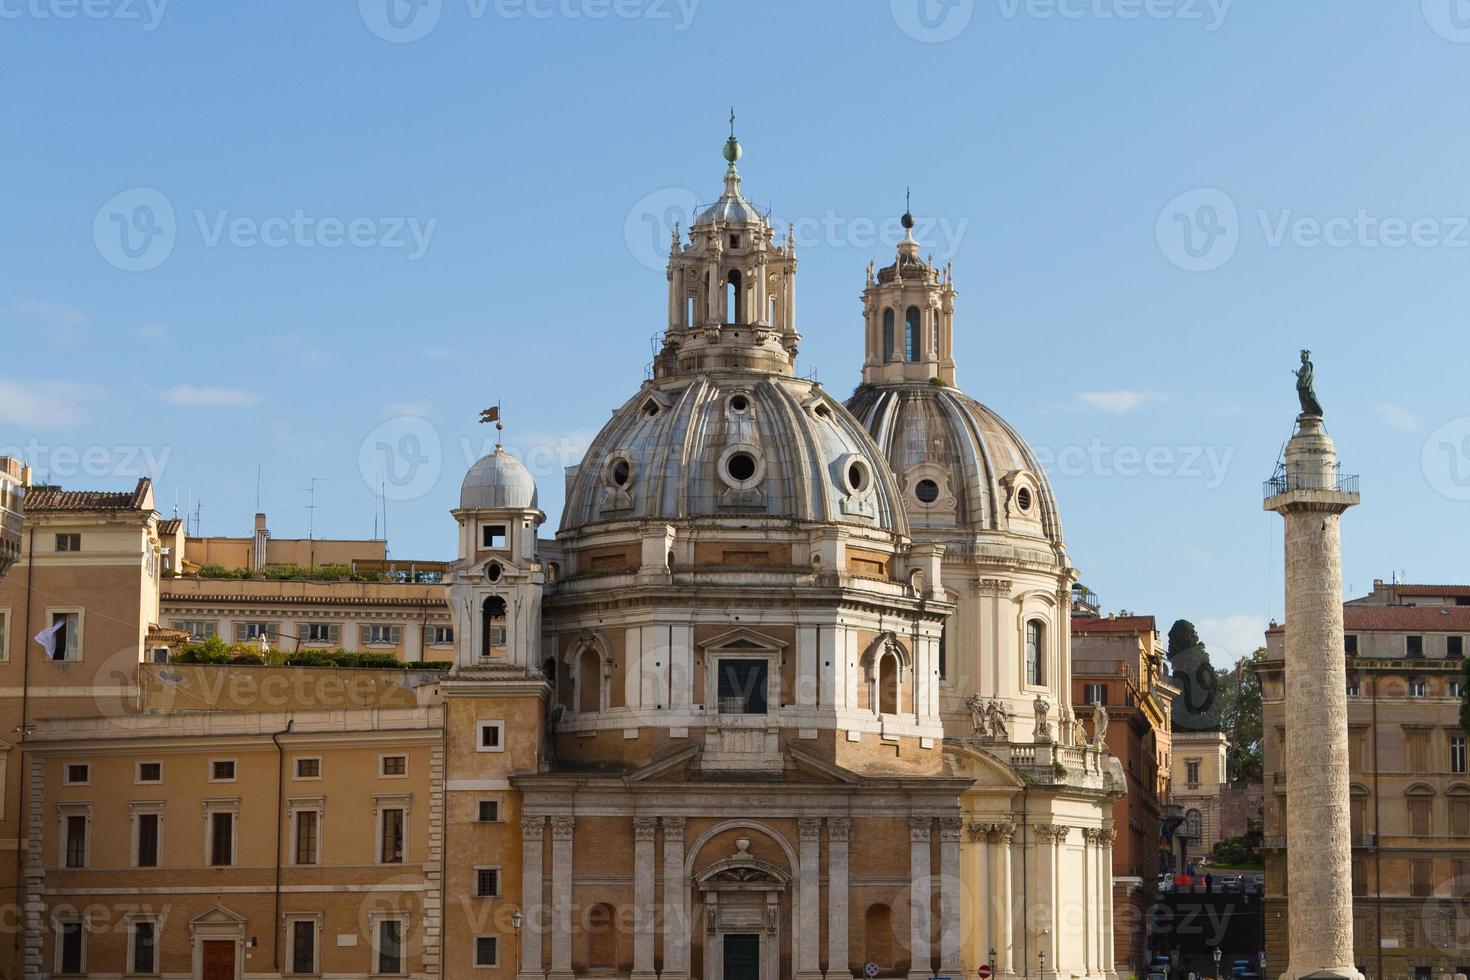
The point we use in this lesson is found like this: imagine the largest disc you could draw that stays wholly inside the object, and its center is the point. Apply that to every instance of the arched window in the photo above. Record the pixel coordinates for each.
(589, 682)
(492, 638)
(1035, 633)
(913, 334)
(602, 938)
(734, 298)
(1193, 825)
(888, 335)
(943, 659)
(689, 312)
(878, 934)
(888, 685)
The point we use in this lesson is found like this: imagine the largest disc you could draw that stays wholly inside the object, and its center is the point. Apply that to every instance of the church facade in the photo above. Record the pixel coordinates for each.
(789, 693)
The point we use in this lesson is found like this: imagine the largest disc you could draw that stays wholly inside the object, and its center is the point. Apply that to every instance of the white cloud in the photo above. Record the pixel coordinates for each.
(191, 397)
(46, 404)
(65, 323)
(1114, 402)
(1228, 638)
(1398, 417)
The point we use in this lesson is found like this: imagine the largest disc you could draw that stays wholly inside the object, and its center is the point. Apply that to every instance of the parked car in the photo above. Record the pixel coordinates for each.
(1231, 883)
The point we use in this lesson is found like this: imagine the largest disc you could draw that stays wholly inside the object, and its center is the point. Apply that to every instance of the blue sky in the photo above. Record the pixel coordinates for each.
(299, 236)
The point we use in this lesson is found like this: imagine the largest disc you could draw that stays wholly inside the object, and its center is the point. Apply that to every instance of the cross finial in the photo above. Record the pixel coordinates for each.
(907, 196)
(732, 122)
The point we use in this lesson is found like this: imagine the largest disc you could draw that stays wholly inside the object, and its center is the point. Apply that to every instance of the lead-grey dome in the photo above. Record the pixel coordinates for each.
(743, 445)
(498, 481)
(978, 475)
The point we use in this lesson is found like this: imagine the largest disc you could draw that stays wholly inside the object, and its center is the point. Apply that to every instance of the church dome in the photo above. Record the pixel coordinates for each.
(739, 445)
(498, 481)
(959, 465)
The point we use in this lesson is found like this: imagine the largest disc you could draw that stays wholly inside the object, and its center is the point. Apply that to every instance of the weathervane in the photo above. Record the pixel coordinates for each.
(492, 414)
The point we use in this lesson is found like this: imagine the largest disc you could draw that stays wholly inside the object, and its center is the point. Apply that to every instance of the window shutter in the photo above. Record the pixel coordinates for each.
(364, 634)
(334, 633)
(428, 635)
(239, 632)
(397, 635)
(303, 633)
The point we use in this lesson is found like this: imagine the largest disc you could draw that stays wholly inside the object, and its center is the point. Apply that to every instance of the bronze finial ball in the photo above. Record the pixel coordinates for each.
(732, 150)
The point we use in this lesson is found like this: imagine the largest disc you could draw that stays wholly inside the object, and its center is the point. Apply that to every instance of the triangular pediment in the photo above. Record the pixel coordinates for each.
(962, 761)
(217, 915)
(744, 639)
(662, 767)
(822, 769)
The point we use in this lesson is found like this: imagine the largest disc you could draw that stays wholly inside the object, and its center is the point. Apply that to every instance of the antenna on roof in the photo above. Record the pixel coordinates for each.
(257, 488)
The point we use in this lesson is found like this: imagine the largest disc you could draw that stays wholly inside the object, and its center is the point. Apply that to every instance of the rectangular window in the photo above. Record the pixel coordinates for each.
(72, 941)
(491, 736)
(1357, 749)
(303, 946)
(394, 765)
(147, 840)
(1457, 754)
(251, 632)
(199, 630)
(1416, 745)
(1353, 687)
(1460, 816)
(321, 633)
(492, 536)
(1414, 646)
(222, 771)
(1417, 687)
(1454, 647)
(68, 542)
(1419, 816)
(1358, 816)
(221, 839)
(1457, 690)
(1191, 772)
(306, 836)
(1034, 674)
(309, 768)
(150, 772)
(1460, 887)
(489, 811)
(487, 951)
(145, 943)
(487, 882)
(392, 833)
(1095, 693)
(742, 687)
(1421, 878)
(66, 638)
(390, 946)
(1360, 877)
(381, 636)
(1350, 644)
(76, 774)
(76, 841)
(439, 636)
(4, 634)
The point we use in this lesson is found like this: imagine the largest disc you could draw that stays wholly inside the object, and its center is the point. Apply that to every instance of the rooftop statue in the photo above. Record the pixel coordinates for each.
(1304, 390)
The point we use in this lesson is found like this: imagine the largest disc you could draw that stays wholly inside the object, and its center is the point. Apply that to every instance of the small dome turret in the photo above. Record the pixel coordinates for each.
(498, 481)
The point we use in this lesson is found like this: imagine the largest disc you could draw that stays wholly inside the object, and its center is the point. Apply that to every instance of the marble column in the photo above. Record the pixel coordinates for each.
(1042, 925)
(645, 832)
(561, 897)
(1108, 956)
(950, 932)
(676, 920)
(839, 961)
(806, 943)
(1002, 909)
(1091, 898)
(533, 831)
(920, 888)
(976, 898)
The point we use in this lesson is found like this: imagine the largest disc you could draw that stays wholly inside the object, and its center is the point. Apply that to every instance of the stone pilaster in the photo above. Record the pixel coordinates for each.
(839, 960)
(562, 829)
(1002, 909)
(807, 941)
(1044, 878)
(951, 933)
(920, 914)
(645, 833)
(677, 936)
(1109, 955)
(533, 902)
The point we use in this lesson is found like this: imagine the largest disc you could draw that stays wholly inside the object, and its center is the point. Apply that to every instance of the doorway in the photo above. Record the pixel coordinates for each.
(742, 956)
(219, 960)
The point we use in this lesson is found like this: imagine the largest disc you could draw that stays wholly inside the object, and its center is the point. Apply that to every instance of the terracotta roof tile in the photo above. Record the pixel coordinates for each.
(1432, 590)
(170, 526)
(1113, 624)
(43, 498)
(1426, 619)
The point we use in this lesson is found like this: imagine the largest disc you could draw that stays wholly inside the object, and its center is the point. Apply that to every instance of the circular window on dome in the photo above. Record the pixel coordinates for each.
(493, 572)
(1023, 499)
(739, 404)
(927, 491)
(859, 475)
(741, 467)
(617, 472)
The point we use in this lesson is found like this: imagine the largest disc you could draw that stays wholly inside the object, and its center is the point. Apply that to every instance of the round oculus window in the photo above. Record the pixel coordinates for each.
(857, 476)
(1023, 499)
(492, 572)
(620, 472)
(740, 467)
(927, 491)
(739, 403)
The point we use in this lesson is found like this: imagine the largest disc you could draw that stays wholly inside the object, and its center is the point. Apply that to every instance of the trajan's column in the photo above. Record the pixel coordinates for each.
(1310, 494)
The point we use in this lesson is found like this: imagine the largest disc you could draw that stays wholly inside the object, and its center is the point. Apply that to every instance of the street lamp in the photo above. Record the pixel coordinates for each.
(1216, 955)
(1042, 953)
(515, 920)
(992, 961)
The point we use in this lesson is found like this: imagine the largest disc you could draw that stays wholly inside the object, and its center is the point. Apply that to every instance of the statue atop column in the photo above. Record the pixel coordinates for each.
(1305, 392)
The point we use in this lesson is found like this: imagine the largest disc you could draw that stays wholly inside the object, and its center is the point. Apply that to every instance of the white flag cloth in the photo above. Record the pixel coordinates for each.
(47, 638)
